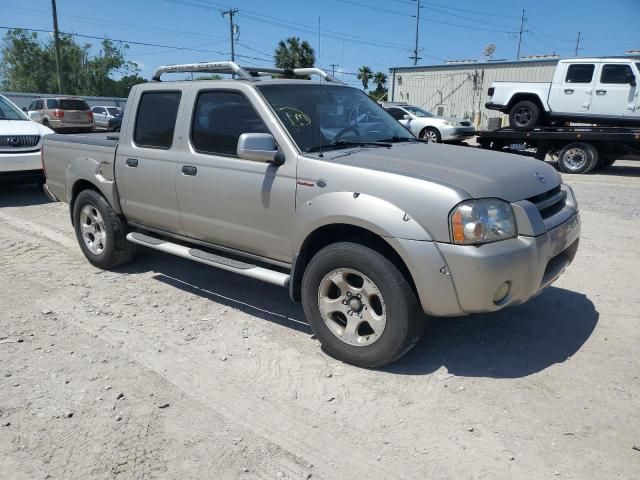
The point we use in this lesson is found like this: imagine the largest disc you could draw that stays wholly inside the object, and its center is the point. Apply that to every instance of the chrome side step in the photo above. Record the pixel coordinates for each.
(211, 259)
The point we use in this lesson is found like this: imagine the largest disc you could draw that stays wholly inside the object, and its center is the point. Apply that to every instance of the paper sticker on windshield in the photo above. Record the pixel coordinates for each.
(295, 117)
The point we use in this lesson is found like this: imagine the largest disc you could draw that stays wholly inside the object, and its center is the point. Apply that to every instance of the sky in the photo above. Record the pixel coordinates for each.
(346, 34)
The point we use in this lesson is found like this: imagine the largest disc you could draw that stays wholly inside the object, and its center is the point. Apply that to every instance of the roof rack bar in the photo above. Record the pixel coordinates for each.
(207, 67)
(245, 73)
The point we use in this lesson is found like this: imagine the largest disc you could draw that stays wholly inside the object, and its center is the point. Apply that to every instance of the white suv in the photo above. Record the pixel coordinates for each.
(20, 144)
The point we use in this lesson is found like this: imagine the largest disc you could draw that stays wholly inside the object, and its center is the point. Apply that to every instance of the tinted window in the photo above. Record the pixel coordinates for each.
(219, 120)
(72, 104)
(580, 73)
(51, 104)
(418, 112)
(32, 106)
(615, 74)
(98, 110)
(397, 113)
(113, 111)
(39, 104)
(156, 120)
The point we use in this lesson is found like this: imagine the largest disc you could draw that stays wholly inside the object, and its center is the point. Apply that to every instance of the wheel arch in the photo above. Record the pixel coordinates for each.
(532, 97)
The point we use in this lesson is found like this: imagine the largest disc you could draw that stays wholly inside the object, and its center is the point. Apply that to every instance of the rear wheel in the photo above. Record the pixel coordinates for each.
(100, 231)
(431, 135)
(577, 157)
(360, 306)
(524, 115)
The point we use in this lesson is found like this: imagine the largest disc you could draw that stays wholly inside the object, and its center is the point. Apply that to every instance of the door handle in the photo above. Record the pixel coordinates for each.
(568, 91)
(189, 170)
(132, 162)
(601, 92)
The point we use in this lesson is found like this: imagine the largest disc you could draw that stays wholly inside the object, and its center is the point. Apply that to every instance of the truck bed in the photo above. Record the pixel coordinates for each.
(70, 158)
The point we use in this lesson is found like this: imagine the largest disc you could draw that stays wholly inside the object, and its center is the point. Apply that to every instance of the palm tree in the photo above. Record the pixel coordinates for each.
(291, 53)
(380, 79)
(364, 74)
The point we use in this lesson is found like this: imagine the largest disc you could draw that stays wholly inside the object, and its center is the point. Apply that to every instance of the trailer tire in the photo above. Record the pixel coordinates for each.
(577, 157)
(524, 116)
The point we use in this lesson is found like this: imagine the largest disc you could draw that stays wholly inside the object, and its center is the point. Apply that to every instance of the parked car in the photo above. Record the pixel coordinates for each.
(63, 114)
(107, 117)
(279, 181)
(20, 144)
(584, 90)
(429, 127)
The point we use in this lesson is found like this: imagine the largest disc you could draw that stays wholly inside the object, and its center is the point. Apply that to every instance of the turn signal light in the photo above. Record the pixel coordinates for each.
(457, 227)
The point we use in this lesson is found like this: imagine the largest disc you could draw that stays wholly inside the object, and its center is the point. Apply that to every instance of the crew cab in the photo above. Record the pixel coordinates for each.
(585, 90)
(314, 187)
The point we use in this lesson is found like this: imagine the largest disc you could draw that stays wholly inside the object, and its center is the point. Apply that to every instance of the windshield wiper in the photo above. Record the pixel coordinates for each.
(398, 139)
(346, 144)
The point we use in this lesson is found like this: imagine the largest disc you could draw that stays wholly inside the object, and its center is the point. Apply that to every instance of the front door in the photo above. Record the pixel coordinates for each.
(573, 94)
(146, 167)
(224, 200)
(614, 94)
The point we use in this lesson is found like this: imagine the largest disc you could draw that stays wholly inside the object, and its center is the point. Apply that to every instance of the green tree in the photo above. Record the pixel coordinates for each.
(292, 53)
(364, 75)
(28, 65)
(380, 79)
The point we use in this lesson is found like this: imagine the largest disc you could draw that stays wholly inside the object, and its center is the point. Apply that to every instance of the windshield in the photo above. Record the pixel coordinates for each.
(113, 111)
(418, 112)
(318, 116)
(8, 111)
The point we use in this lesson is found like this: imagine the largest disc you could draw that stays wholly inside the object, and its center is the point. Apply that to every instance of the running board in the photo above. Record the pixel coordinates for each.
(211, 259)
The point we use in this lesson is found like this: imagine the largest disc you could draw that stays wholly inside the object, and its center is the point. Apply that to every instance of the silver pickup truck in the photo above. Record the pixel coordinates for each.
(311, 185)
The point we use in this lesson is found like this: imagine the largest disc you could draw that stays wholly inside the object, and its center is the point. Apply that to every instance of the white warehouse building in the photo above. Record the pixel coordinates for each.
(459, 89)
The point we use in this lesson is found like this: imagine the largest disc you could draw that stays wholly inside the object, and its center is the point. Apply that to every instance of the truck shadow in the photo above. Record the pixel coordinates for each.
(512, 343)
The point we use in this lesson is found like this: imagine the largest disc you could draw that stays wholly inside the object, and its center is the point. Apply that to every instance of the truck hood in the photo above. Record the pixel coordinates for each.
(23, 127)
(478, 173)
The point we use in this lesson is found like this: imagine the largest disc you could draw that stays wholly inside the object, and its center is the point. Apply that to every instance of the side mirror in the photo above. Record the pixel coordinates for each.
(406, 117)
(35, 116)
(259, 147)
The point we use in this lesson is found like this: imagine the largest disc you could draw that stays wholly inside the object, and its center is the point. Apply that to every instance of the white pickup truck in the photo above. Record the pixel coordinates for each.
(585, 90)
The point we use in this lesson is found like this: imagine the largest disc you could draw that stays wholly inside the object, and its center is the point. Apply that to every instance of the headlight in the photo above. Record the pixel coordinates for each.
(447, 122)
(482, 221)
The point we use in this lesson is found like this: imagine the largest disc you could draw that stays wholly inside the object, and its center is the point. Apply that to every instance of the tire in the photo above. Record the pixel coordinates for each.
(109, 248)
(524, 116)
(431, 135)
(381, 294)
(577, 157)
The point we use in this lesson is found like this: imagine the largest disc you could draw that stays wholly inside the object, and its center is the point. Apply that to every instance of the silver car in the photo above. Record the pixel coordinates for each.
(107, 117)
(429, 127)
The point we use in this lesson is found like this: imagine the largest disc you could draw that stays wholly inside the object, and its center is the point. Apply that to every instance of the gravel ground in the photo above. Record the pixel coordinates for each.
(168, 369)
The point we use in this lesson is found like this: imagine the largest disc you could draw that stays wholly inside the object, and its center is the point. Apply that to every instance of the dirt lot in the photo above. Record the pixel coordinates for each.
(167, 369)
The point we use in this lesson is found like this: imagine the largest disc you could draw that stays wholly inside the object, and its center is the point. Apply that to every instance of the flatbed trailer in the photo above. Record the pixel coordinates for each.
(577, 149)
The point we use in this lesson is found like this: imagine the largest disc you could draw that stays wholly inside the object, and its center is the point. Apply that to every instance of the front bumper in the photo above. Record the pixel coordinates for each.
(456, 133)
(16, 162)
(528, 264)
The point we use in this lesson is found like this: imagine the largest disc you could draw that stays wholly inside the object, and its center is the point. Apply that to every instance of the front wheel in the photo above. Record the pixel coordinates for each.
(360, 306)
(431, 135)
(100, 231)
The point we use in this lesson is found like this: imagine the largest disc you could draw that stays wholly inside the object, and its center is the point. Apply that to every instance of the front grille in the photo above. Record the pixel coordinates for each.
(551, 202)
(18, 141)
(465, 123)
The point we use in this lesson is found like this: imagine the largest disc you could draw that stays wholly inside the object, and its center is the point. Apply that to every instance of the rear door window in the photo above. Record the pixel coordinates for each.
(397, 113)
(156, 119)
(580, 73)
(52, 104)
(616, 73)
(39, 104)
(220, 118)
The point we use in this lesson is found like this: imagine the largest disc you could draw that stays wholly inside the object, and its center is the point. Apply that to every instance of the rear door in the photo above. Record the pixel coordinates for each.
(99, 116)
(573, 93)
(145, 161)
(615, 96)
(236, 203)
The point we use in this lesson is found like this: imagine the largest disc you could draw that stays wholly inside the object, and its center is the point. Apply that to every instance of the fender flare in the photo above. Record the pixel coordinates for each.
(88, 170)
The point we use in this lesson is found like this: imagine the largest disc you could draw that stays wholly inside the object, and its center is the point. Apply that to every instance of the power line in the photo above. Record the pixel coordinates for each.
(476, 12)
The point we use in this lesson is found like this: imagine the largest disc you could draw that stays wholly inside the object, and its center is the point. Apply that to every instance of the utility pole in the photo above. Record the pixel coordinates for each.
(56, 39)
(520, 35)
(415, 56)
(578, 44)
(333, 68)
(231, 12)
